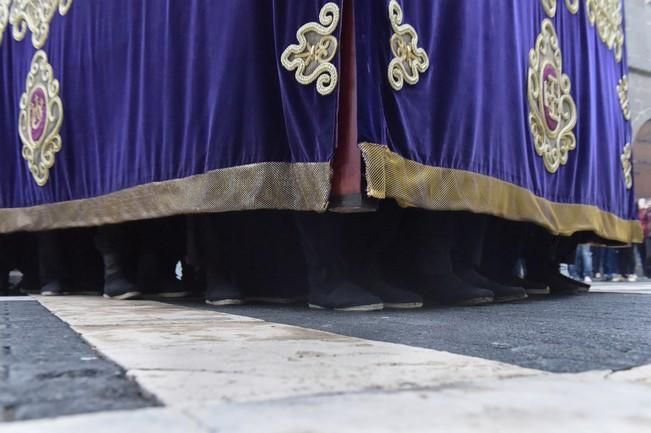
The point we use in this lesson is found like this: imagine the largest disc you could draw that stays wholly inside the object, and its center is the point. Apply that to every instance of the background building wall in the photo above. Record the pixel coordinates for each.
(638, 38)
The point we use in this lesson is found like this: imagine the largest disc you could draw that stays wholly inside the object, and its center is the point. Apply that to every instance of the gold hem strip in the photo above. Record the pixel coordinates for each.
(413, 184)
(266, 185)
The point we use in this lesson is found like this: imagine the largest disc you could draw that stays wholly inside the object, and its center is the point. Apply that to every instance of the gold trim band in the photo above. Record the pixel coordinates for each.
(412, 184)
(267, 185)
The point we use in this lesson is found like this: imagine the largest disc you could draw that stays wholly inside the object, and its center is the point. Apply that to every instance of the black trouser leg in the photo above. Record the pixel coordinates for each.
(220, 257)
(269, 256)
(503, 248)
(165, 239)
(25, 246)
(5, 263)
(216, 243)
(427, 247)
(469, 233)
(627, 261)
(375, 261)
(53, 266)
(647, 257)
(543, 256)
(119, 250)
(161, 247)
(117, 244)
(641, 248)
(84, 260)
(324, 238)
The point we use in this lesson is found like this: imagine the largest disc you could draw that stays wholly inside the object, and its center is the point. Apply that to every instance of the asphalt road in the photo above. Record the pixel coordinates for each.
(595, 331)
(46, 369)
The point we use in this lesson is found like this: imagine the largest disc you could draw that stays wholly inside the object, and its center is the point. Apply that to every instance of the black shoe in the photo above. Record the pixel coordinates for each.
(121, 289)
(448, 289)
(275, 299)
(9, 289)
(343, 296)
(221, 291)
(159, 279)
(275, 292)
(502, 292)
(116, 284)
(581, 287)
(169, 288)
(194, 280)
(52, 289)
(224, 295)
(533, 288)
(390, 290)
(4, 285)
(12, 290)
(560, 284)
(29, 284)
(396, 298)
(392, 296)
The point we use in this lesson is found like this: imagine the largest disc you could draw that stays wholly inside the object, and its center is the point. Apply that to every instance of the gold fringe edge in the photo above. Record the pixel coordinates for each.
(266, 185)
(412, 184)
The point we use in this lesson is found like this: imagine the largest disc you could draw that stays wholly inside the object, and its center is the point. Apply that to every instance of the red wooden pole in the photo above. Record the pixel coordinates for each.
(347, 194)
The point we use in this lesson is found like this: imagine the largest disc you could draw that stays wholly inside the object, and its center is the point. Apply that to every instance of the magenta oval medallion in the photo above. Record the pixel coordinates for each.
(551, 93)
(37, 113)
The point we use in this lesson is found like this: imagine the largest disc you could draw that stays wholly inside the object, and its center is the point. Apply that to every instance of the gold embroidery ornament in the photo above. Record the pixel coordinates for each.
(627, 166)
(311, 58)
(35, 16)
(4, 16)
(572, 5)
(409, 60)
(40, 119)
(552, 112)
(622, 92)
(550, 7)
(606, 15)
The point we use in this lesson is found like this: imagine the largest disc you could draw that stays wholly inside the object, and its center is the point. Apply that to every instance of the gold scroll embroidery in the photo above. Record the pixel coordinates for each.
(606, 15)
(311, 58)
(35, 16)
(627, 166)
(409, 60)
(552, 112)
(622, 92)
(41, 116)
(550, 7)
(572, 5)
(4, 16)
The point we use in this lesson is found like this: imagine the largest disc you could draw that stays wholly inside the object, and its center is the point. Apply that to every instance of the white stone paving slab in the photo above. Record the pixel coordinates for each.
(136, 421)
(639, 375)
(16, 298)
(97, 311)
(231, 358)
(237, 374)
(534, 404)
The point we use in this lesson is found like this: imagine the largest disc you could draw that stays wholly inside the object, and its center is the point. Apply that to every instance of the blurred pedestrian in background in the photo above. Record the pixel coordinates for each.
(645, 247)
(583, 263)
